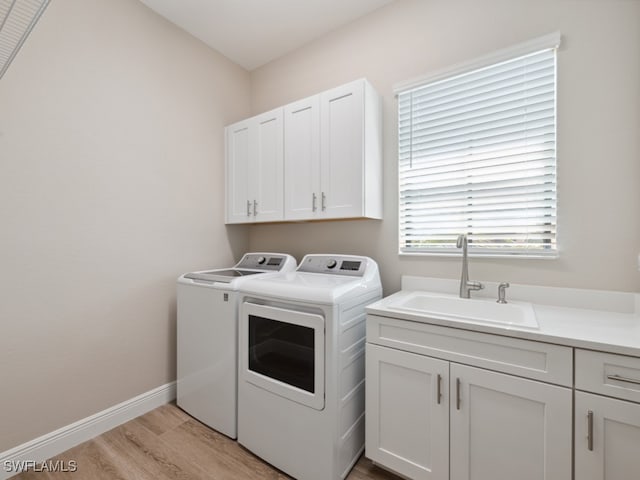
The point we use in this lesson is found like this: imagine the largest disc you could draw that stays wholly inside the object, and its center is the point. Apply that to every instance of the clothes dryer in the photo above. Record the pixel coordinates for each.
(301, 365)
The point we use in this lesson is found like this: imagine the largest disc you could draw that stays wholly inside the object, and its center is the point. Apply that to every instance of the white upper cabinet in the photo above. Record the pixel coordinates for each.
(267, 172)
(342, 151)
(302, 159)
(326, 150)
(333, 154)
(237, 170)
(254, 190)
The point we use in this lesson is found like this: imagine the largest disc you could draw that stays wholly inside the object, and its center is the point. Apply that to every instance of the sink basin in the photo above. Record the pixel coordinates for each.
(471, 310)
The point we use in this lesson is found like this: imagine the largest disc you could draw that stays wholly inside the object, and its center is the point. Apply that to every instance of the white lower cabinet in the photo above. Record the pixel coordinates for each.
(607, 441)
(508, 428)
(433, 419)
(607, 430)
(407, 420)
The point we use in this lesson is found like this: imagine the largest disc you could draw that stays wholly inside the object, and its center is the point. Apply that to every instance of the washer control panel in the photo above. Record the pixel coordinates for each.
(262, 261)
(348, 265)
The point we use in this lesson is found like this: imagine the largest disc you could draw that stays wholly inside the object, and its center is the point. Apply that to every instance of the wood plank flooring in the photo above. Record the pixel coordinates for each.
(167, 444)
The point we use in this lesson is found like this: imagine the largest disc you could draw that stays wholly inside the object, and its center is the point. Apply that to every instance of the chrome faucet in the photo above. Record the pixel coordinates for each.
(465, 285)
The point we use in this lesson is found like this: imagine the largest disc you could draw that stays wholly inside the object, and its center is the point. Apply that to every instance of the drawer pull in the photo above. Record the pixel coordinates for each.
(590, 430)
(618, 378)
(439, 389)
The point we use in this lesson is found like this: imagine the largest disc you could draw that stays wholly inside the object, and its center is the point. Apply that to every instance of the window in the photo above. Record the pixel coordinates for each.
(477, 155)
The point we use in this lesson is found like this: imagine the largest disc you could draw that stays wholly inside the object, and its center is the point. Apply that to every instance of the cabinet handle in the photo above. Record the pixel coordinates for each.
(618, 378)
(314, 201)
(324, 202)
(457, 394)
(439, 389)
(255, 208)
(248, 208)
(590, 430)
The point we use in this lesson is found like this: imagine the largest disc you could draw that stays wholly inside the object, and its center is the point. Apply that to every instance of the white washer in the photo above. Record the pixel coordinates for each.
(301, 373)
(207, 331)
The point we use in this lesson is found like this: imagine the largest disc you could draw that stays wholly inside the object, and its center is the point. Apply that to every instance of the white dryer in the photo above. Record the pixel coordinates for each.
(207, 337)
(301, 372)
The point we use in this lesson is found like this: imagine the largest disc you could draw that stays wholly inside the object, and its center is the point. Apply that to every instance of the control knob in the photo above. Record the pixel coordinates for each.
(261, 260)
(331, 263)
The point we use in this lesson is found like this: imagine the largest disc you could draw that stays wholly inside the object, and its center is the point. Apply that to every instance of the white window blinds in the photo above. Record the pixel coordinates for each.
(477, 155)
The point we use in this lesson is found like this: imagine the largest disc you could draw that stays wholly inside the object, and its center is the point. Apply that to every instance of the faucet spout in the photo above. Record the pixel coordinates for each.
(465, 285)
(464, 279)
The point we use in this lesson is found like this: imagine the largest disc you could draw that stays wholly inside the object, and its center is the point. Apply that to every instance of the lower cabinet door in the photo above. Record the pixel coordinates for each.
(607, 441)
(508, 428)
(407, 421)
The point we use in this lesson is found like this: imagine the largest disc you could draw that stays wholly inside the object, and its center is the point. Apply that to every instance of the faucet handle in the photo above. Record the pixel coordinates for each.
(502, 292)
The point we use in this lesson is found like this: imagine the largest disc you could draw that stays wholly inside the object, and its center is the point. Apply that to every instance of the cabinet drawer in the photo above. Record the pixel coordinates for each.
(608, 374)
(536, 360)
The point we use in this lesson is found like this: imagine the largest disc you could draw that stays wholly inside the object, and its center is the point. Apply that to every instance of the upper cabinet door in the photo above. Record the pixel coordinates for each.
(237, 173)
(342, 151)
(266, 167)
(302, 159)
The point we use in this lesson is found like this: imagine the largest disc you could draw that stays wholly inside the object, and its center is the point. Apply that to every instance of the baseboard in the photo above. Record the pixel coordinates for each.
(58, 441)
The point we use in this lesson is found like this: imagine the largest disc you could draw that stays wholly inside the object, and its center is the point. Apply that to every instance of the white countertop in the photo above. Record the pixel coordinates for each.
(595, 320)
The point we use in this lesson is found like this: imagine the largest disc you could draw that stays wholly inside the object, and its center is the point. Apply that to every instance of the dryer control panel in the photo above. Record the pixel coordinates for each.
(348, 265)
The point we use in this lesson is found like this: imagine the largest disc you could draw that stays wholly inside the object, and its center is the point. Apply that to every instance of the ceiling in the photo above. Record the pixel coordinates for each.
(254, 32)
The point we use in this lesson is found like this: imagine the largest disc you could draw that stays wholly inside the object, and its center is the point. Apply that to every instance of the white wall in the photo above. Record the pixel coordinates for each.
(598, 128)
(111, 185)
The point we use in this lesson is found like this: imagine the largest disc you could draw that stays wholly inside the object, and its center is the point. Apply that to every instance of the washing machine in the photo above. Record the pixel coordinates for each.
(301, 365)
(207, 337)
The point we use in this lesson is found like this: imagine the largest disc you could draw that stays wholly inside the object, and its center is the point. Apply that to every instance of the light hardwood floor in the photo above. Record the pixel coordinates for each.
(167, 444)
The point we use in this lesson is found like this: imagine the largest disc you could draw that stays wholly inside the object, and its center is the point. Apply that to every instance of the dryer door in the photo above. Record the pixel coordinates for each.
(282, 351)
